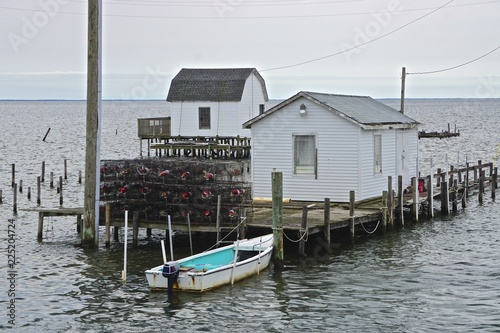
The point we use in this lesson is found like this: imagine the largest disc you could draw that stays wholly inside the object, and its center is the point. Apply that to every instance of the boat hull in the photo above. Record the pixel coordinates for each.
(206, 277)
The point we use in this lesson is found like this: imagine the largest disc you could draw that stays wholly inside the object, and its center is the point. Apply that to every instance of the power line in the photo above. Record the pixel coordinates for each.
(360, 45)
(457, 66)
(230, 17)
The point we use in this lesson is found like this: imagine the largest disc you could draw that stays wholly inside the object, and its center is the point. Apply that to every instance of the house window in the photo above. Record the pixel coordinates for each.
(261, 108)
(204, 118)
(377, 153)
(304, 149)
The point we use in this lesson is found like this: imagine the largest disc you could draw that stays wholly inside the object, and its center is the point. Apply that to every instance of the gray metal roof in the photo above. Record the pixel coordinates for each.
(211, 84)
(362, 110)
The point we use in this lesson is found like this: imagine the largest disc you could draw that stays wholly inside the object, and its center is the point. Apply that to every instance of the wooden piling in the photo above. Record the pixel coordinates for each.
(108, 225)
(464, 193)
(1, 197)
(384, 211)
(65, 169)
(29, 193)
(390, 203)
(38, 191)
(47, 133)
(444, 198)
(494, 182)
(21, 186)
(40, 224)
(43, 172)
(217, 218)
(60, 191)
(438, 181)
(481, 188)
(415, 199)
(135, 228)
(79, 177)
(430, 197)
(326, 227)
(454, 200)
(13, 175)
(302, 232)
(400, 201)
(51, 180)
(352, 200)
(277, 198)
(116, 231)
(15, 199)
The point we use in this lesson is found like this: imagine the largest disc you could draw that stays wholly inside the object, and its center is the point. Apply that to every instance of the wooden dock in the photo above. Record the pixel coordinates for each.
(301, 219)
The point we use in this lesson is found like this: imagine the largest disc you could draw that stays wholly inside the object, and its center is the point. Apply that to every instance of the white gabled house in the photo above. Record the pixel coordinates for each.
(215, 101)
(328, 145)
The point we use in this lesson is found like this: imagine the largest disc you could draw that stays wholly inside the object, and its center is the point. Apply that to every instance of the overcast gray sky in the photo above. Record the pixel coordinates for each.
(355, 47)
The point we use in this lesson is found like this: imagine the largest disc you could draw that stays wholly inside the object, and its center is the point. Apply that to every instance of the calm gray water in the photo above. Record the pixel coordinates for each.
(436, 276)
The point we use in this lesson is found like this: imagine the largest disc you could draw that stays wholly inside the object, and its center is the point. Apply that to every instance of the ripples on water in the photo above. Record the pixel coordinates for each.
(439, 275)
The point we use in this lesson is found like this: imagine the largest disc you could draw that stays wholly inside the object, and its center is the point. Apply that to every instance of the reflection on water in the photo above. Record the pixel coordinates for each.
(439, 275)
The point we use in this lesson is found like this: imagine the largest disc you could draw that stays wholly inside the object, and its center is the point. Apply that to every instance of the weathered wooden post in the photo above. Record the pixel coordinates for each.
(43, 172)
(430, 197)
(90, 232)
(116, 231)
(493, 183)
(40, 225)
(15, 199)
(51, 181)
(390, 203)
(464, 193)
(277, 199)
(13, 175)
(65, 169)
(135, 228)
(21, 186)
(444, 198)
(400, 201)
(454, 202)
(384, 211)
(38, 191)
(326, 227)
(1, 197)
(467, 173)
(352, 200)
(438, 173)
(416, 198)
(302, 232)
(60, 191)
(217, 218)
(79, 177)
(29, 193)
(481, 187)
(108, 225)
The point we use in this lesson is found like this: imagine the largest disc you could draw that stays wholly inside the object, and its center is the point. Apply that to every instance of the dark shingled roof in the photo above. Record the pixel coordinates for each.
(212, 84)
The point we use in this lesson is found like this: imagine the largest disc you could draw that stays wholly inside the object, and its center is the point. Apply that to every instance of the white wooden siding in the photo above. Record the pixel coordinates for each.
(345, 155)
(338, 150)
(226, 117)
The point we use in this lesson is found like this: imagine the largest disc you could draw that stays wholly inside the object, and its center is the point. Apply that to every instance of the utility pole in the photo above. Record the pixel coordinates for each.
(403, 79)
(90, 232)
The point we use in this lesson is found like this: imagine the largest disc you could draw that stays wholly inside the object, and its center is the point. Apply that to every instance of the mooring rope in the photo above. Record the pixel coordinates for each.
(304, 237)
(371, 232)
(229, 233)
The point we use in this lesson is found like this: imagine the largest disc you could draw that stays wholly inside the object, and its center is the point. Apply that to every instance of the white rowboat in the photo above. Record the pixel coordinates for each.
(214, 268)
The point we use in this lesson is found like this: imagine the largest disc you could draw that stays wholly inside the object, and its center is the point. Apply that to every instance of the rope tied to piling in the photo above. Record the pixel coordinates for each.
(304, 236)
(243, 219)
(370, 232)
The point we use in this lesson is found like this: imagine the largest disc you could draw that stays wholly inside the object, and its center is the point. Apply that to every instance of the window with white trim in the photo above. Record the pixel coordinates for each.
(204, 118)
(304, 152)
(377, 153)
